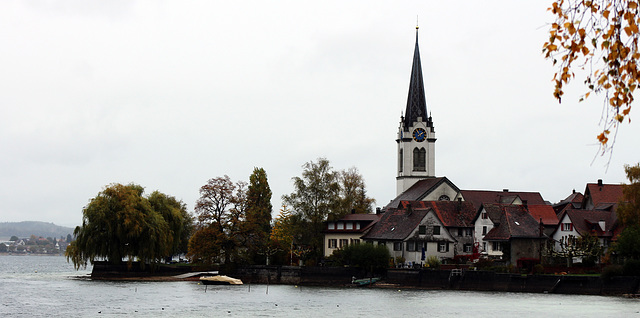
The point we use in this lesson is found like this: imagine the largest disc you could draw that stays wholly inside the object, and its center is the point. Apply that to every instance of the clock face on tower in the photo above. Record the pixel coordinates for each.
(419, 135)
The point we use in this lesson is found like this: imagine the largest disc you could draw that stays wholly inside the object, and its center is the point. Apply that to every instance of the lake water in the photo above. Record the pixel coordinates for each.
(48, 286)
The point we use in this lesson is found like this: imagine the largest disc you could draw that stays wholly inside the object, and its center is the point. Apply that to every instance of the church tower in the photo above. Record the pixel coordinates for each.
(416, 134)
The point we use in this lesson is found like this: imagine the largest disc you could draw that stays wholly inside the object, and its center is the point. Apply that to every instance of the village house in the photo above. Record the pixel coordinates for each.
(515, 233)
(598, 216)
(420, 229)
(347, 230)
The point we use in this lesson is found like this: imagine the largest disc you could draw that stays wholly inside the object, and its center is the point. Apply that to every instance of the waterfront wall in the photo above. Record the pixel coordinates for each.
(443, 279)
(491, 281)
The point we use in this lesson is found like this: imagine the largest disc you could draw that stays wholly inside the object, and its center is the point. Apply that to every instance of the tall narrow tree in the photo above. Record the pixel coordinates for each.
(257, 227)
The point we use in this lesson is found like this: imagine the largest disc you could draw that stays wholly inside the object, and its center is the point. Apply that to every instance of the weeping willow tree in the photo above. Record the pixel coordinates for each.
(121, 224)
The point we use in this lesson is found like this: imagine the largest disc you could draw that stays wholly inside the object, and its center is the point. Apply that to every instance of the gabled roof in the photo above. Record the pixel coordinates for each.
(420, 190)
(587, 222)
(575, 199)
(478, 197)
(450, 213)
(416, 101)
(396, 224)
(544, 212)
(599, 193)
(515, 222)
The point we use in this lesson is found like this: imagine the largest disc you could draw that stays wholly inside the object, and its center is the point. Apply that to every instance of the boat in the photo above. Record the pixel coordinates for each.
(220, 280)
(365, 281)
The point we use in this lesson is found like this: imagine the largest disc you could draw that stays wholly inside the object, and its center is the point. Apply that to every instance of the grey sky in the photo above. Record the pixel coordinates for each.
(168, 94)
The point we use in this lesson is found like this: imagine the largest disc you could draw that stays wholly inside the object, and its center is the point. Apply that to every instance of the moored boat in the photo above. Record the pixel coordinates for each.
(220, 280)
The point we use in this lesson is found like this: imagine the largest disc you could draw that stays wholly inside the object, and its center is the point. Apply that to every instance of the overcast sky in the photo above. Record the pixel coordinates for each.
(168, 94)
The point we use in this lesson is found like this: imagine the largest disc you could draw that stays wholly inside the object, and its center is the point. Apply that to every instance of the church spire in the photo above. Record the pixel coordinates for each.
(416, 102)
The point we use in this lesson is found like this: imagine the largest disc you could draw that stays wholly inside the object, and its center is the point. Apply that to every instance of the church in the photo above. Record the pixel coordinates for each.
(430, 216)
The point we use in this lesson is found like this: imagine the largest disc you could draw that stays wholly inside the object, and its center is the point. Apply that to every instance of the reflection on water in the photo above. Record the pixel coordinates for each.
(46, 286)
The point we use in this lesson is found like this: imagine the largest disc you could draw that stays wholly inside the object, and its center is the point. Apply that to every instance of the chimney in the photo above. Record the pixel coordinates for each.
(574, 191)
(353, 211)
(378, 210)
(599, 182)
(459, 205)
(602, 224)
(524, 202)
(409, 210)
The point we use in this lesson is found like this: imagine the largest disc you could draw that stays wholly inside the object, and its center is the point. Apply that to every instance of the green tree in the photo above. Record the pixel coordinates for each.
(353, 194)
(587, 247)
(315, 197)
(257, 227)
(3, 248)
(180, 222)
(599, 38)
(628, 212)
(120, 223)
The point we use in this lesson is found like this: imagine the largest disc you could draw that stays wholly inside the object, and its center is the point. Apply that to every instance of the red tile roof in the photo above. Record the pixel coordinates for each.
(544, 212)
(587, 222)
(450, 213)
(478, 197)
(603, 193)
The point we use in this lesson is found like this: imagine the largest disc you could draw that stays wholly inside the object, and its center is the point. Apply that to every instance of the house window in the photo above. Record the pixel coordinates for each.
(400, 161)
(484, 246)
(419, 158)
(443, 247)
(467, 248)
(349, 226)
(340, 226)
(357, 225)
(460, 233)
(468, 232)
(333, 243)
(484, 215)
(355, 241)
(436, 230)
(484, 230)
(332, 226)
(381, 243)
(397, 246)
(497, 246)
(420, 245)
(422, 229)
(344, 243)
(411, 246)
(567, 227)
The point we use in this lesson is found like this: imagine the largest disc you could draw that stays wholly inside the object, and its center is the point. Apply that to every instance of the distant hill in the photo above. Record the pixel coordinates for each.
(27, 228)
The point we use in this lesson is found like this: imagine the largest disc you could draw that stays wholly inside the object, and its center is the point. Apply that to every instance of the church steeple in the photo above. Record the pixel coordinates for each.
(416, 134)
(416, 101)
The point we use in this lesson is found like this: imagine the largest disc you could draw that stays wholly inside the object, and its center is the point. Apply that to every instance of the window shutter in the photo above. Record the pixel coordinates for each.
(447, 246)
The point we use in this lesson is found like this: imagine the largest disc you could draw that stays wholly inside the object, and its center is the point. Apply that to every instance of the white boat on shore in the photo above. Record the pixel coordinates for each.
(220, 280)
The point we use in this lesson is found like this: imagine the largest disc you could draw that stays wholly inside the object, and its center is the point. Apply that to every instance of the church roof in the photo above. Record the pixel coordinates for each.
(419, 190)
(416, 101)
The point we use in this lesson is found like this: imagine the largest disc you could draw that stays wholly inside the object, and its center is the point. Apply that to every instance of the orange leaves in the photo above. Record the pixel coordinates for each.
(611, 58)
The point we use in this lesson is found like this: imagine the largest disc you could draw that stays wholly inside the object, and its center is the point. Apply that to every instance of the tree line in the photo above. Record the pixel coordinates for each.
(231, 224)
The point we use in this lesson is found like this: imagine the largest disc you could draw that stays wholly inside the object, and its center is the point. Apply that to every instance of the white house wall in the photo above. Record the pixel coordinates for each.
(559, 234)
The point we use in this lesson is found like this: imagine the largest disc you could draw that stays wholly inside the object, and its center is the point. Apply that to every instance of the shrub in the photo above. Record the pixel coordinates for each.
(610, 271)
(365, 256)
(631, 267)
(433, 262)
(538, 269)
